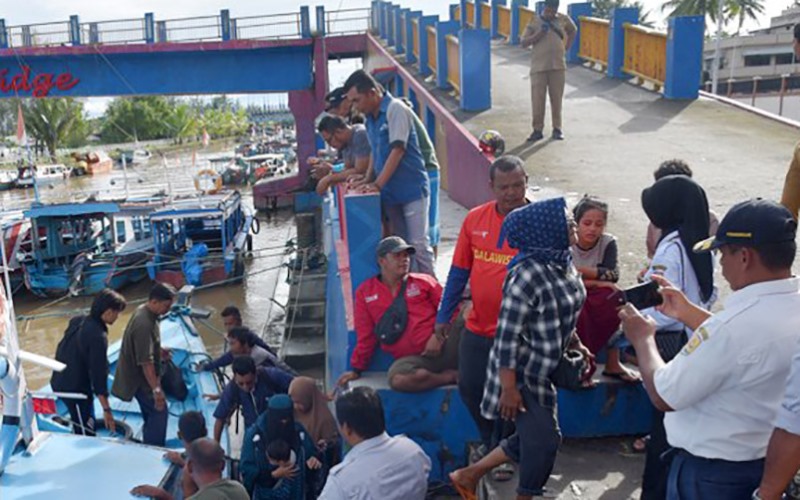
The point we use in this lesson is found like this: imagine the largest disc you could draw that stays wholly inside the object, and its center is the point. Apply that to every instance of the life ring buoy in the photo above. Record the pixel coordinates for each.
(255, 226)
(208, 181)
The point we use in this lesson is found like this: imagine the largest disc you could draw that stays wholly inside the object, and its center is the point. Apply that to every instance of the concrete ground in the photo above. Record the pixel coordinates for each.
(617, 134)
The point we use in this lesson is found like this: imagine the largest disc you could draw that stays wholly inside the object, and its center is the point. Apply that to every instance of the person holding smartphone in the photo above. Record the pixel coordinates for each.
(722, 392)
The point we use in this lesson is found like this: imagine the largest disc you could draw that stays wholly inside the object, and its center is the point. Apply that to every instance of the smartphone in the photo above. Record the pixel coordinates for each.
(641, 296)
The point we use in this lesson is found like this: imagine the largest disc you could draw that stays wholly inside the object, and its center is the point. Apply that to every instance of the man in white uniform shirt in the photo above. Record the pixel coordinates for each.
(723, 391)
(377, 466)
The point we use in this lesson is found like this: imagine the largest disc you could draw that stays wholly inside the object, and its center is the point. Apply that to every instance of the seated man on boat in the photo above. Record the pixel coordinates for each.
(397, 309)
(250, 389)
(191, 427)
(205, 464)
(352, 142)
(139, 369)
(244, 342)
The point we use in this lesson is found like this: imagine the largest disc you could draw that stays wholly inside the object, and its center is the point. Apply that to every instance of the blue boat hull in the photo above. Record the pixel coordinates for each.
(56, 282)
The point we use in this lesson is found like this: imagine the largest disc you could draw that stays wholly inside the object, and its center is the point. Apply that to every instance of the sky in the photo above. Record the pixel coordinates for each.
(43, 11)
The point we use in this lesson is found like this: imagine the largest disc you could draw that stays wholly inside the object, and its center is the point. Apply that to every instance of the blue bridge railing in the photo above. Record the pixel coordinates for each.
(215, 28)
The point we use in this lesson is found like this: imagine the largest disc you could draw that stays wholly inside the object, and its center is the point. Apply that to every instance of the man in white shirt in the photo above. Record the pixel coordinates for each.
(722, 392)
(377, 466)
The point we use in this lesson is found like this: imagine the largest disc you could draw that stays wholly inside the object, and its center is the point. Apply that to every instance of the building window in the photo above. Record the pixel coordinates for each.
(784, 58)
(761, 60)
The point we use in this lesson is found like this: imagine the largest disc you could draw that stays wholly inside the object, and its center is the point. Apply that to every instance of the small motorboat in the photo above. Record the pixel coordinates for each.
(43, 174)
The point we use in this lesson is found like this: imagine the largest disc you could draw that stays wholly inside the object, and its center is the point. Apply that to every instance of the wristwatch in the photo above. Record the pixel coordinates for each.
(157, 390)
(755, 495)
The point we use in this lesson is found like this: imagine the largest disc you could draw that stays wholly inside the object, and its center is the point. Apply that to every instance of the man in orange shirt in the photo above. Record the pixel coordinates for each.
(481, 258)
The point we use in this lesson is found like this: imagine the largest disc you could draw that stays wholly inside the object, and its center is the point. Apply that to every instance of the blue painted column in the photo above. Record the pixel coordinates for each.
(684, 57)
(390, 25)
(321, 20)
(430, 123)
(475, 65)
(412, 96)
(616, 39)
(424, 22)
(516, 5)
(463, 17)
(400, 28)
(3, 34)
(305, 22)
(476, 21)
(225, 24)
(374, 22)
(149, 28)
(539, 8)
(410, 16)
(452, 11)
(382, 19)
(363, 215)
(495, 17)
(399, 86)
(74, 30)
(575, 11)
(442, 30)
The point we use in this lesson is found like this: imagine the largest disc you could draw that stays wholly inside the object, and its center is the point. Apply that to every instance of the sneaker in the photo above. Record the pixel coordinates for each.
(537, 135)
(558, 135)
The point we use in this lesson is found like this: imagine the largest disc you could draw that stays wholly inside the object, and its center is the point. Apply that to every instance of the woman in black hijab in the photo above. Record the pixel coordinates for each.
(678, 206)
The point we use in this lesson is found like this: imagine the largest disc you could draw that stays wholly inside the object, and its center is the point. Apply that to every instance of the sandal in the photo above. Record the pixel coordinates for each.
(503, 473)
(640, 444)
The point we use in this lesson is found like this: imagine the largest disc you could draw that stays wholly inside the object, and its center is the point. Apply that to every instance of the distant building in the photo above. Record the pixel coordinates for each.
(766, 53)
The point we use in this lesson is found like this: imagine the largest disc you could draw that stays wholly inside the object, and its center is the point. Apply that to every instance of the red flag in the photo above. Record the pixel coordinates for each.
(206, 138)
(22, 137)
(44, 406)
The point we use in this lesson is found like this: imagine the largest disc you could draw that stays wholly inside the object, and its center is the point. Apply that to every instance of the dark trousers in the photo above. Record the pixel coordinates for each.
(657, 461)
(81, 413)
(696, 478)
(473, 358)
(534, 445)
(154, 430)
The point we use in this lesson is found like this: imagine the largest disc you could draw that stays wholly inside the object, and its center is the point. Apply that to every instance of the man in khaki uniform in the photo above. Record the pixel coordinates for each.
(549, 36)
(791, 187)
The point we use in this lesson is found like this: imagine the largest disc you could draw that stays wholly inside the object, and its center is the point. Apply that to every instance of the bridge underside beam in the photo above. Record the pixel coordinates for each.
(241, 70)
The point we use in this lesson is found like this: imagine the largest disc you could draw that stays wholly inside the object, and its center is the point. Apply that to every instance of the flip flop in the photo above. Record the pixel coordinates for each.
(463, 492)
(624, 377)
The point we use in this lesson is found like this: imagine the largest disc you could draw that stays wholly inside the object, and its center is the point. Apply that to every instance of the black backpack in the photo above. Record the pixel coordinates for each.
(69, 342)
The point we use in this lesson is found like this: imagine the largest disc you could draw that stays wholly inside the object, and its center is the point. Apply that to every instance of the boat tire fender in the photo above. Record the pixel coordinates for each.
(217, 181)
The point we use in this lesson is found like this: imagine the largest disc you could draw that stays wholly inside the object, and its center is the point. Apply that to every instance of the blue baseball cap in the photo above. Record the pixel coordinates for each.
(752, 223)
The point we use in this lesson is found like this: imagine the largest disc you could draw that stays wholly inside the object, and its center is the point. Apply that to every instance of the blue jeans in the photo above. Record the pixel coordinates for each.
(410, 222)
(534, 445)
(696, 478)
(154, 430)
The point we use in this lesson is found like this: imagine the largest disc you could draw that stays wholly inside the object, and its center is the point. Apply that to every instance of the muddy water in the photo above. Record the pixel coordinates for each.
(252, 296)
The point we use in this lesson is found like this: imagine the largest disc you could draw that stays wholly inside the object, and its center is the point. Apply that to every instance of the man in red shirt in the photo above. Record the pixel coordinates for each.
(423, 360)
(481, 259)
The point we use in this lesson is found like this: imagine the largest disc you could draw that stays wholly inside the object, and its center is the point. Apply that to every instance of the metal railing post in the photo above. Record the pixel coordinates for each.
(783, 92)
(305, 22)
(94, 33)
(756, 79)
(234, 30)
(321, 31)
(3, 34)
(74, 30)
(161, 31)
(149, 28)
(225, 24)
(616, 39)
(27, 39)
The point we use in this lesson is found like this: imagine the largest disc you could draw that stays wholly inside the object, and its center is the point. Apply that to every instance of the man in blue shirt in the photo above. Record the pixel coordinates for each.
(250, 388)
(397, 167)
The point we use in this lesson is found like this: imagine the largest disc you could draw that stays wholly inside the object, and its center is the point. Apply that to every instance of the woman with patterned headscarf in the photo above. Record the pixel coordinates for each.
(542, 296)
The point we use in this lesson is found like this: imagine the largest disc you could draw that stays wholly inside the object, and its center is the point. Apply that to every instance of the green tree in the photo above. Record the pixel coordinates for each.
(55, 122)
(603, 8)
(742, 10)
(182, 122)
(136, 118)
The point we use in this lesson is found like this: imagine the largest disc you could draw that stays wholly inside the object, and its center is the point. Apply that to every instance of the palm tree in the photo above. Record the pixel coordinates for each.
(742, 10)
(51, 121)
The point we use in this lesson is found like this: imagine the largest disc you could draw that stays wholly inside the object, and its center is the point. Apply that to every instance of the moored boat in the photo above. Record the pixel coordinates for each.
(81, 248)
(200, 240)
(44, 174)
(94, 162)
(135, 156)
